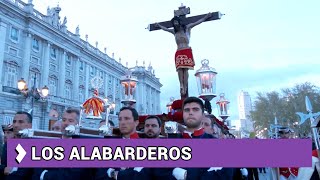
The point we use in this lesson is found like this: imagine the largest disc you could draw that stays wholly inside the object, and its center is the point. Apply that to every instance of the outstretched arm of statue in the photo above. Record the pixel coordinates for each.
(191, 25)
(165, 28)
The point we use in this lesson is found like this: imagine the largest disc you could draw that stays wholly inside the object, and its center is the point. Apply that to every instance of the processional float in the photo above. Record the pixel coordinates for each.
(93, 107)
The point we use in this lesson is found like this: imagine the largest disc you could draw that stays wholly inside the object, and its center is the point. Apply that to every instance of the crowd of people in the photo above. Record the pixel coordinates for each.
(197, 126)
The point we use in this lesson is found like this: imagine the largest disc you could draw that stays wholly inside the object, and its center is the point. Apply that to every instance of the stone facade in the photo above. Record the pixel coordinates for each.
(34, 44)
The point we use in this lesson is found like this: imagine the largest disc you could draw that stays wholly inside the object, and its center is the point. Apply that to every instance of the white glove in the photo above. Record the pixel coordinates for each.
(214, 169)
(179, 173)
(138, 169)
(14, 169)
(244, 171)
(110, 170)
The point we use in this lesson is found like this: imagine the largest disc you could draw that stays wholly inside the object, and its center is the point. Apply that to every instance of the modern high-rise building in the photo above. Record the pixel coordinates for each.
(245, 107)
(40, 47)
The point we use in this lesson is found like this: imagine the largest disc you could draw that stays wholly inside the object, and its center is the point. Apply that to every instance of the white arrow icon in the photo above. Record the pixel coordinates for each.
(21, 153)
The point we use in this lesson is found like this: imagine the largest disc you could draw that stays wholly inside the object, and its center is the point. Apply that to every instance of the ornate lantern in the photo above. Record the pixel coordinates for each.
(223, 104)
(129, 84)
(206, 80)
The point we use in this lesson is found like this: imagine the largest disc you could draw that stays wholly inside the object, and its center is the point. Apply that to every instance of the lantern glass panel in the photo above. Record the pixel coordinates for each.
(206, 83)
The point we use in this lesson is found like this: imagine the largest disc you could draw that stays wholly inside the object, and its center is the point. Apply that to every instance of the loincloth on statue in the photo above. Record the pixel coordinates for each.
(184, 59)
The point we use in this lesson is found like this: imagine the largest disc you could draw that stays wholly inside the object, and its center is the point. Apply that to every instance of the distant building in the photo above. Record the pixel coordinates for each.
(245, 107)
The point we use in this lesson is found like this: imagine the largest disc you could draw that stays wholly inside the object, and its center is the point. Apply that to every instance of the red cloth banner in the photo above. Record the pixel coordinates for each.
(184, 59)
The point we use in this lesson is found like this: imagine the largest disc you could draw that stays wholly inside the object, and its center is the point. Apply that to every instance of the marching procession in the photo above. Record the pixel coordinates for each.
(196, 125)
(188, 117)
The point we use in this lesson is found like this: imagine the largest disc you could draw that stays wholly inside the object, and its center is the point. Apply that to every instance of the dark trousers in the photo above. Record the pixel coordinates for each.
(262, 170)
(253, 174)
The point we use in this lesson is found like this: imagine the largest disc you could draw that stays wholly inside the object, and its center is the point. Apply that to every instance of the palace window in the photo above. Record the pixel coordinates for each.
(81, 66)
(68, 90)
(53, 85)
(35, 44)
(7, 120)
(81, 94)
(14, 34)
(32, 74)
(101, 74)
(92, 70)
(53, 53)
(68, 62)
(11, 76)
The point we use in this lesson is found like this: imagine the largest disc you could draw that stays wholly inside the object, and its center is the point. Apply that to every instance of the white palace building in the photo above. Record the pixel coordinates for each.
(33, 44)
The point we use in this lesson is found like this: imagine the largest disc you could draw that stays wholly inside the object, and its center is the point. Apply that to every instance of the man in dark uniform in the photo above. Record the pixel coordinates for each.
(152, 129)
(128, 122)
(22, 120)
(193, 111)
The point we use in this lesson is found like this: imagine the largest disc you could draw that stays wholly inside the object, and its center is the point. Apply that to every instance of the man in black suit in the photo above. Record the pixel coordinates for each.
(22, 120)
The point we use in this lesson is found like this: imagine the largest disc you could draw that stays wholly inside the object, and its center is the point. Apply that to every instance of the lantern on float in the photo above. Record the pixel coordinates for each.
(129, 84)
(206, 81)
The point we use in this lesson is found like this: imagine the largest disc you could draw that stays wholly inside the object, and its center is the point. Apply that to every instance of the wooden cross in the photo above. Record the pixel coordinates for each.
(183, 58)
(182, 12)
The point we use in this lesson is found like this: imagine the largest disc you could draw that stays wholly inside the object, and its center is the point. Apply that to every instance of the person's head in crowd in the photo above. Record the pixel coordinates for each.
(216, 131)
(56, 126)
(193, 110)
(284, 133)
(207, 124)
(103, 122)
(70, 117)
(128, 121)
(7, 132)
(152, 127)
(22, 120)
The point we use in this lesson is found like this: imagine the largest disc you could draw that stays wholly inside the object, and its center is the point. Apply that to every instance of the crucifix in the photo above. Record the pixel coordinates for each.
(180, 26)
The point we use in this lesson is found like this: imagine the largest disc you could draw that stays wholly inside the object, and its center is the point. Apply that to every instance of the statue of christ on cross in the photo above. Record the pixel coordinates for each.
(181, 30)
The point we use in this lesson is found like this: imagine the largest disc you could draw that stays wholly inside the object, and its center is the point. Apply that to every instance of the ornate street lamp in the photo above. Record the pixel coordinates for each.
(129, 84)
(34, 93)
(223, 104)
(206, 80)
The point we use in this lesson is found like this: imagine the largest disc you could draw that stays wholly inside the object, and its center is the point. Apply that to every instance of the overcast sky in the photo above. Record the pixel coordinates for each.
(256, 46)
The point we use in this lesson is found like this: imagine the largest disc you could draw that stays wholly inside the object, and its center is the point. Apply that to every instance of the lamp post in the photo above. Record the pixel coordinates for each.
(206, 81)
(129, 84)
(34, 93)
(223, 104)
